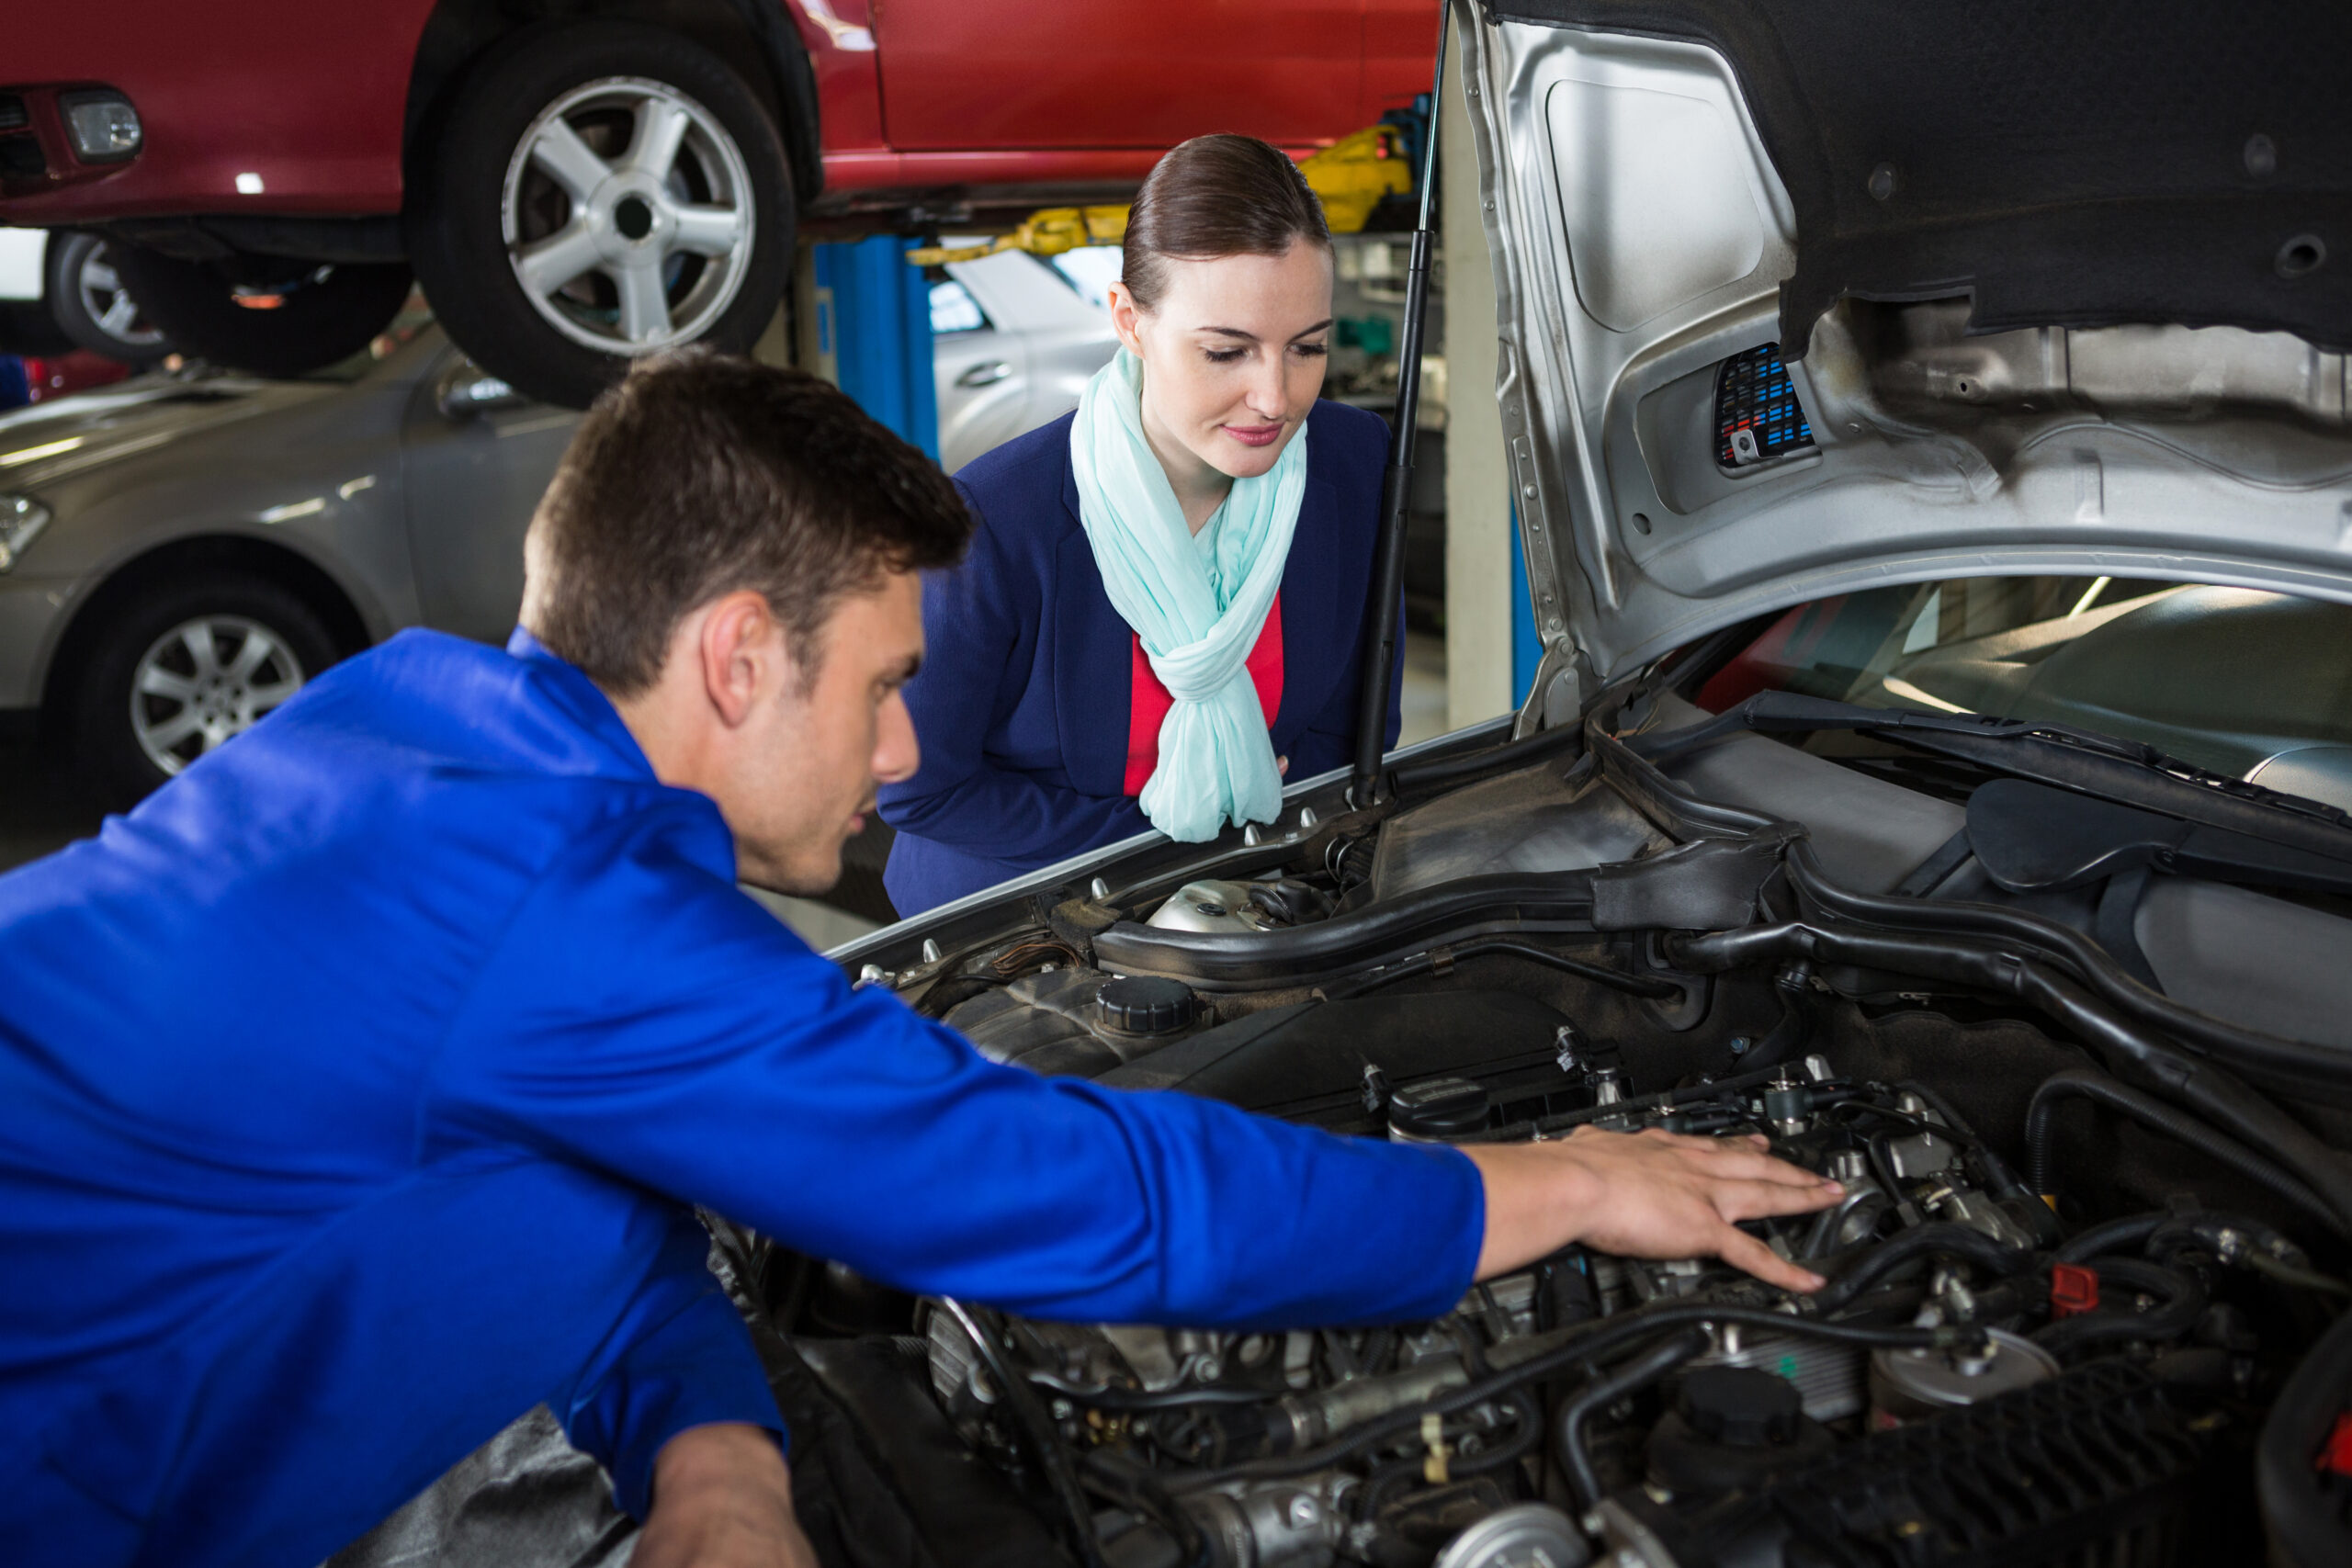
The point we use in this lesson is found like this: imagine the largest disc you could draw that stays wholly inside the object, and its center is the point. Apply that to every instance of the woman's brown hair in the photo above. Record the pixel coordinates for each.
(1216, 196)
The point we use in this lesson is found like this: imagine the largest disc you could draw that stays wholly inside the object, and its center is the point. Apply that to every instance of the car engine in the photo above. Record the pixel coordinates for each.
(2084, 1278)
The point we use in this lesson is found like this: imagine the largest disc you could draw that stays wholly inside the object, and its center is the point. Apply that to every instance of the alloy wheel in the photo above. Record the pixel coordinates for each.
(205, 680)
(628, 216)
(109, 304)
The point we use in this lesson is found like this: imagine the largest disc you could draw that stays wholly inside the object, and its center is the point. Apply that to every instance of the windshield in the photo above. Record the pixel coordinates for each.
(2252, 685)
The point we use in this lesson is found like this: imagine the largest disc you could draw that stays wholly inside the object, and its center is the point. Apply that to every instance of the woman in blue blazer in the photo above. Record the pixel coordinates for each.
(1163, 614)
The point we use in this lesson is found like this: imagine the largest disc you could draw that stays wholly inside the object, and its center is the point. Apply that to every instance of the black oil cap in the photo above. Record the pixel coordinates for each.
(1741, 1405)
(1439, 1108)
(1141, 1004)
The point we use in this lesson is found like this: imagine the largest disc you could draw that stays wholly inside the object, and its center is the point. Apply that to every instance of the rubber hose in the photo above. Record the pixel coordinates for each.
(1873, 1262)
(2184, 1078)
(1567, 1424)
(1576, 1342)
(1030, 1416)
(1491, 947)
(2086, 1083)
(2184, 1304)
(2249, 1048)
(2112, 1236)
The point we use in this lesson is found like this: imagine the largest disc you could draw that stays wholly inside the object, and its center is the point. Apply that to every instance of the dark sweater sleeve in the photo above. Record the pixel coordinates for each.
(1329, 741)
(980, 621)
(650, 1021)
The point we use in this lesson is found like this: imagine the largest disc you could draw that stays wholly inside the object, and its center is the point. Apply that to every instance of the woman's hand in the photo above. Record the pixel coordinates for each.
(1649, 1194)
(722, 1498)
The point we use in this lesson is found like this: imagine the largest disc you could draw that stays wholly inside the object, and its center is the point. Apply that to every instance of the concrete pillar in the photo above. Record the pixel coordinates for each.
(1480, 545)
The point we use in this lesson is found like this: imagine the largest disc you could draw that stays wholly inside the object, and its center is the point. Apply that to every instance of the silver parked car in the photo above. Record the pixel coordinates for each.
(179, 553)
(1013, 344)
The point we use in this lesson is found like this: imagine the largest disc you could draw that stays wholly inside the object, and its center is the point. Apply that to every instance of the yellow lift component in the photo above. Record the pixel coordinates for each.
(1351, 175)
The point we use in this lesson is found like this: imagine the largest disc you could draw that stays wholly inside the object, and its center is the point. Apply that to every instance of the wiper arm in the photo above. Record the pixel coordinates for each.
(2126, 771)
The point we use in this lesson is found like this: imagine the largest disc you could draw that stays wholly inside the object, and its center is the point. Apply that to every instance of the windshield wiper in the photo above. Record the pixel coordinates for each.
(2129, 772)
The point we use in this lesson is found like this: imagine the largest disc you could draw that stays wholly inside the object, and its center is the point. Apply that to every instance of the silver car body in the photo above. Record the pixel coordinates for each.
(1026, 367)
(1641, 236)
(406, 495)
(411, 513)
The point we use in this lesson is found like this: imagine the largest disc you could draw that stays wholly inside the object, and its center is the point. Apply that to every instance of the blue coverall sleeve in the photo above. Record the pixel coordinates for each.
(654, 1022)
(679, 1356)
(980, 619)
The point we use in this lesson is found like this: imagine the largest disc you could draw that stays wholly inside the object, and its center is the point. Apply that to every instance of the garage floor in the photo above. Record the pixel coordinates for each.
(41, 811)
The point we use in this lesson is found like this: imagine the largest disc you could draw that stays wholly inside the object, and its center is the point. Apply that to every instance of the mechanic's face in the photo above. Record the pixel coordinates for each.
(817, 762)
(792, 762)
(1233, 356)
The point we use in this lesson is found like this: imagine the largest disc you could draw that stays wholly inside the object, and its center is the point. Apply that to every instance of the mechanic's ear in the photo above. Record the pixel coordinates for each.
(742, 655)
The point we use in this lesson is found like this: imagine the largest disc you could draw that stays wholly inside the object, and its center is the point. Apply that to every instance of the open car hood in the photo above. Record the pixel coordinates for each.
(1801, 296)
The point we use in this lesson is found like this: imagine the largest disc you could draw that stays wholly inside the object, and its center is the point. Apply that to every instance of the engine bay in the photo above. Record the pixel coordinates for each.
(2085, 1278)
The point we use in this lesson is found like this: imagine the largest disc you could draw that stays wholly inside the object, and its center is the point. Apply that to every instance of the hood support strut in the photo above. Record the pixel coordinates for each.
(1381, 617)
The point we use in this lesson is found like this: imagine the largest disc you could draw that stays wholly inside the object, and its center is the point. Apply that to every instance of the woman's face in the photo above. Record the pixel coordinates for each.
(1234, 354)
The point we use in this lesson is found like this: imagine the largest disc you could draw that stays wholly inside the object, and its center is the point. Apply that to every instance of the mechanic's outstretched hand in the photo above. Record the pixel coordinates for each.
(722, 1498)
(1648, 1194)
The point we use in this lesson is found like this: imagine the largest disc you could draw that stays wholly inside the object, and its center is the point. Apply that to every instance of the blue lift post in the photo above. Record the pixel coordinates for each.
(874, 323)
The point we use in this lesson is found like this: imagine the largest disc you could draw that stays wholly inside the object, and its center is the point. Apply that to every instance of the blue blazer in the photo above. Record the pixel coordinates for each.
(1023, 702)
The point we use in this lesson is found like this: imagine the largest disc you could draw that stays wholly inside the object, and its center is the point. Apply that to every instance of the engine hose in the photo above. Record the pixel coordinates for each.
(1875, 1260)
(1569, 1422)
(1427, 963)
(1109, 1396)
(1527, 1430)
(1576, 1343)
(2086, 1083)
(1037, 1430)
(2244, 1047)
(2211, 1093)
(2183, 1304)
(2112, 1236)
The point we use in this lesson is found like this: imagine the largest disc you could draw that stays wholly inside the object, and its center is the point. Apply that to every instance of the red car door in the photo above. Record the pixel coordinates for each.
(958, 75)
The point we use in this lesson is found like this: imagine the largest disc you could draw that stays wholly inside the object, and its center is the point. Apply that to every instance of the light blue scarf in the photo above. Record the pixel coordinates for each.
(1198, 610)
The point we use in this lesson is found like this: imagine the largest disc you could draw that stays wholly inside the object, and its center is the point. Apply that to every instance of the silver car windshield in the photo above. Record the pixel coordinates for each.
(2250, 685)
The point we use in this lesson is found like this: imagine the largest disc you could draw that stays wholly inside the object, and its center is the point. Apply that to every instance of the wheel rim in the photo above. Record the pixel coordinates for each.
(628, 216)
(204, 681)
(107, 302)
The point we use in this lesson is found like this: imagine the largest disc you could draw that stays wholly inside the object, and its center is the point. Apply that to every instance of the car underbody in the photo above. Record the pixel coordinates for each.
(2091, 1233)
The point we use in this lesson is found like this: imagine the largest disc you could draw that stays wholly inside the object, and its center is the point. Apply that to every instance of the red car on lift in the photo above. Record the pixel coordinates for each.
(574, 183)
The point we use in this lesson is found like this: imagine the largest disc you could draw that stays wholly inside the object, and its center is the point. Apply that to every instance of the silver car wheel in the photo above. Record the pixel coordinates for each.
(206, 679)
(628, 216)
(110, 305)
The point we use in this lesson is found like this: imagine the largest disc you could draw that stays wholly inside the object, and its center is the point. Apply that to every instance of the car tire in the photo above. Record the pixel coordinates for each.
(93, 307)
(268, 315)
(123, 734)
(537, 170)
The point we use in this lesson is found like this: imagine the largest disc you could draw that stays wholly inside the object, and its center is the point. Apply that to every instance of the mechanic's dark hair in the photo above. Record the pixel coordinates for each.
(1216, 196)
(700, 474)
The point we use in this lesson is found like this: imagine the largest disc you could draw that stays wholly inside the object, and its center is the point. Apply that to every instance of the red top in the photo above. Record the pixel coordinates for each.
(1148, 701)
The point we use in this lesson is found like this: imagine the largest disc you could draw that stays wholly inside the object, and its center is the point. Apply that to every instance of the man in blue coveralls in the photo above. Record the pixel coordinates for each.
(354, 1088)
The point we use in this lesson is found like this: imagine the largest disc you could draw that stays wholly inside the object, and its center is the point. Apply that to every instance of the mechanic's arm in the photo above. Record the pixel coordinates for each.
(679, 1036)
(677, 1395)
(1650, 1194)
(722, 1498)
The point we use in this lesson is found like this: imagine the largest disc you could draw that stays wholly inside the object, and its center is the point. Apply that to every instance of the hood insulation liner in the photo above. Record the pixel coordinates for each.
(2080, 164)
